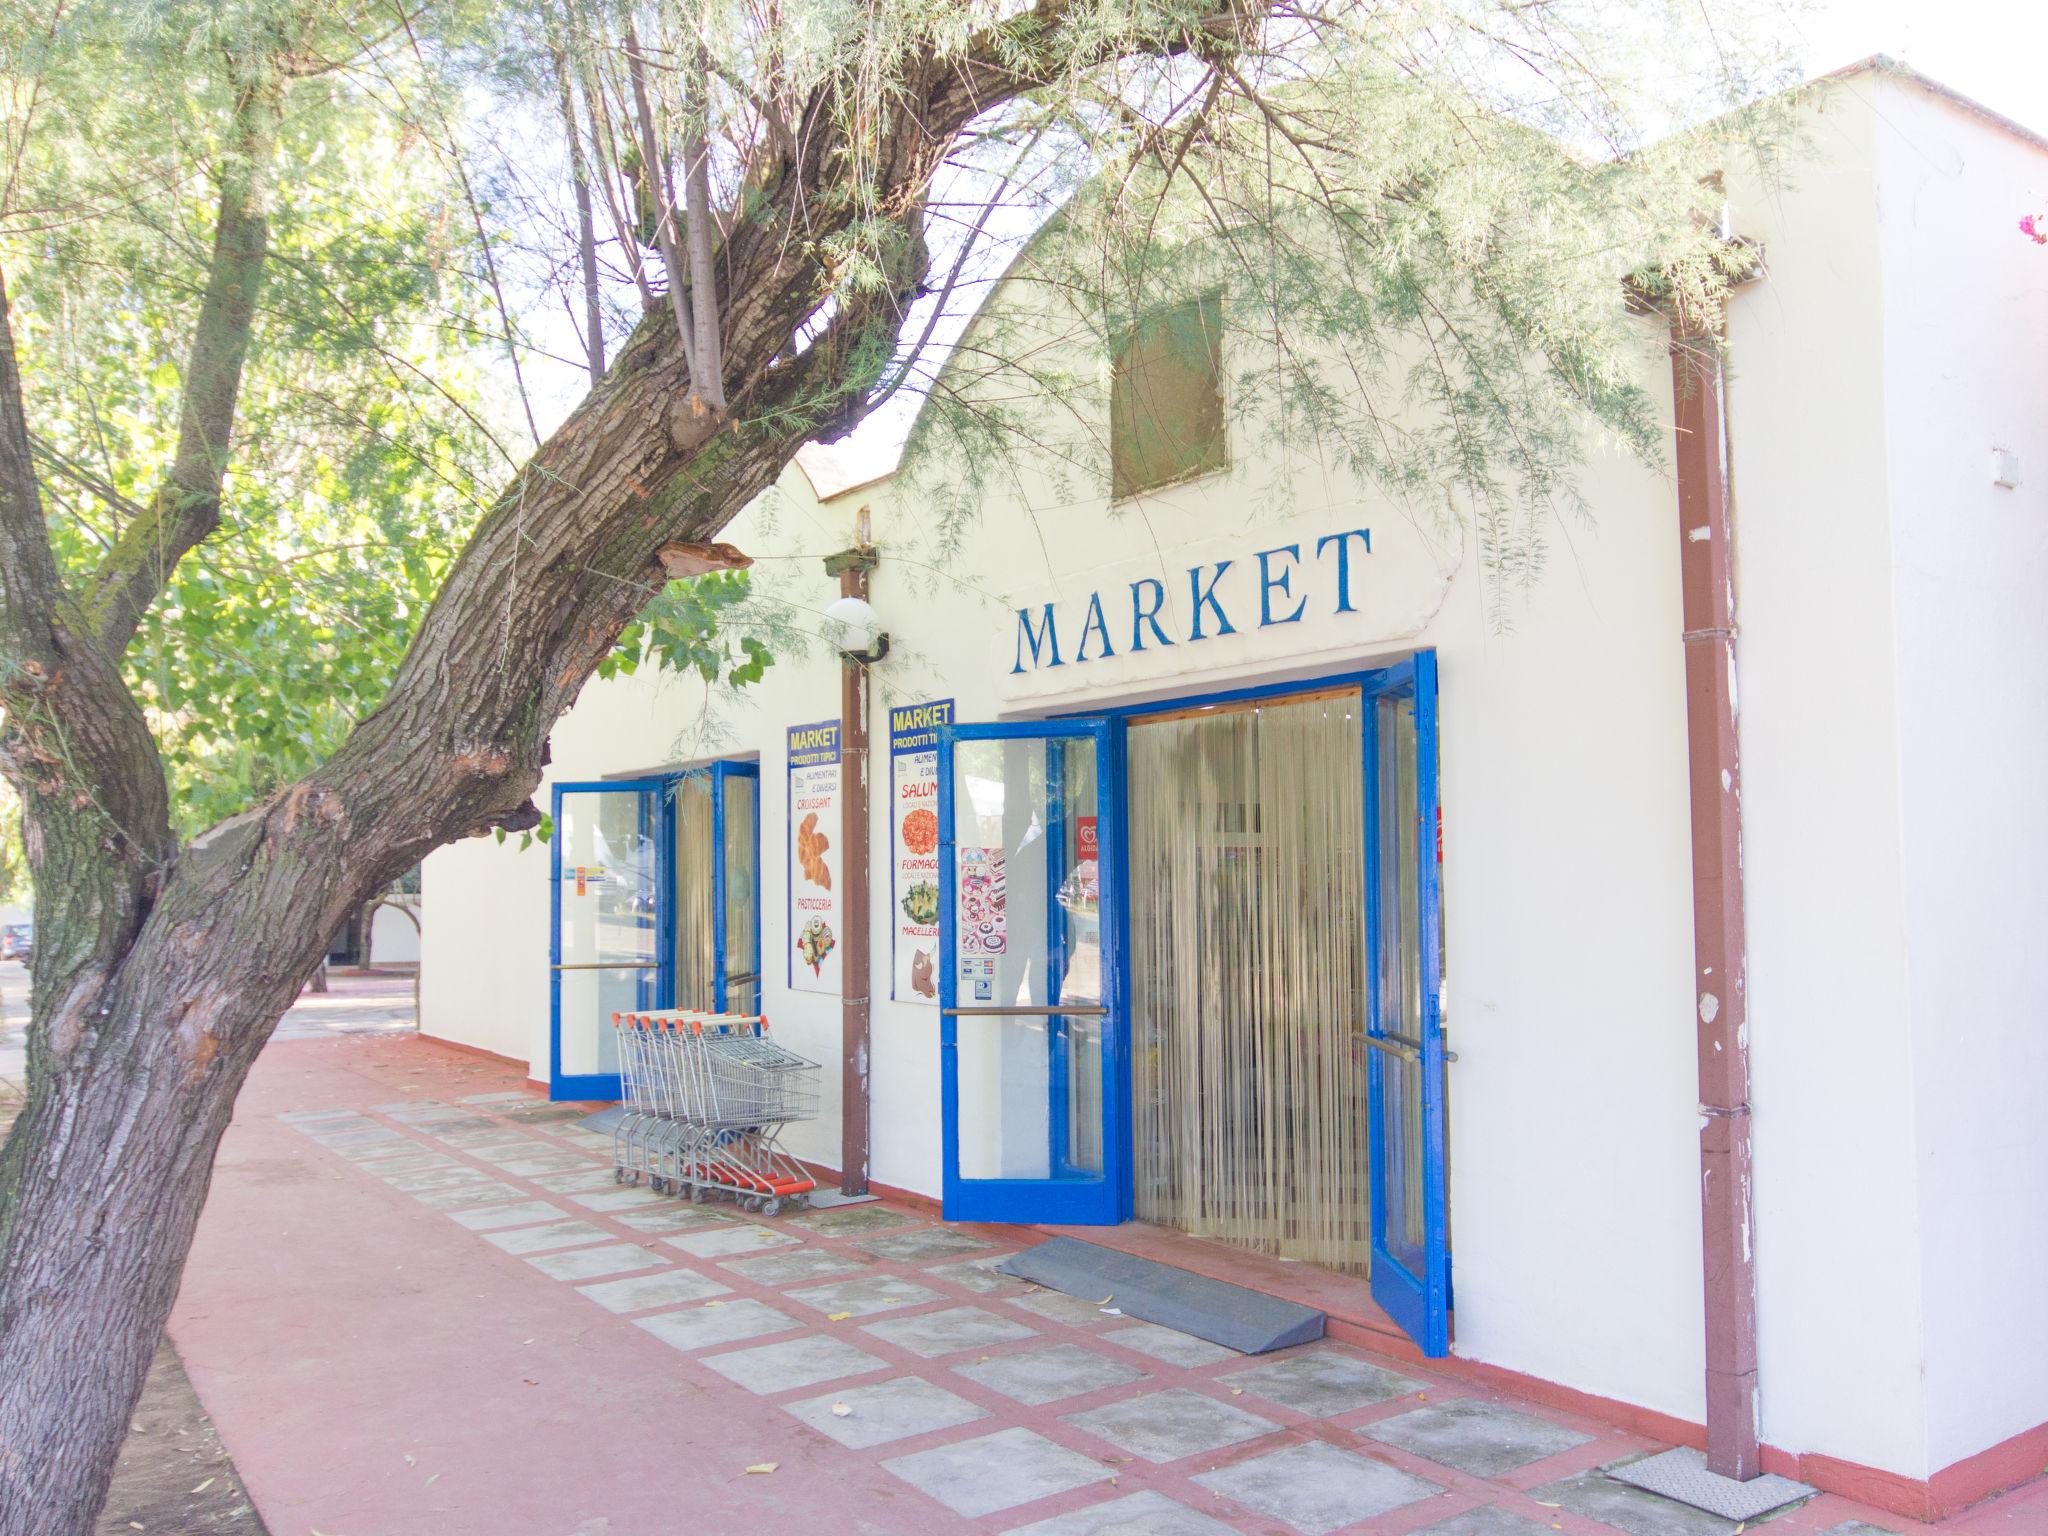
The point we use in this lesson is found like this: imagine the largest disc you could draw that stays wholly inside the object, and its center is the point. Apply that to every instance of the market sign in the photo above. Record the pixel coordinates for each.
(914, 838)
(814, 925)
(1302, 590)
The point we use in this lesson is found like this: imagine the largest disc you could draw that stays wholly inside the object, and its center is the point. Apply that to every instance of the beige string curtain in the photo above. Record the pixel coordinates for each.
(696, 962)
(1249, 976)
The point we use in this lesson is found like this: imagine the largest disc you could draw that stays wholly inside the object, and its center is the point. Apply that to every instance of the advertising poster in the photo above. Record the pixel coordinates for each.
(914, 837)
(814, 926)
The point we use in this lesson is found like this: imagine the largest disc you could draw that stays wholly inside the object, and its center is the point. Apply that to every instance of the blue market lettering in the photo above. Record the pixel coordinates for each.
(1280, 602)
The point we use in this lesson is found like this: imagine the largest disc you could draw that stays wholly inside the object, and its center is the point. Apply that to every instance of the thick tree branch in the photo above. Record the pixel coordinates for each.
(186, 508)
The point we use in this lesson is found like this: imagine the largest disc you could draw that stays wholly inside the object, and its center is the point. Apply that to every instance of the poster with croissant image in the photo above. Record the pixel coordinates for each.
(914, 822)
(814, 860)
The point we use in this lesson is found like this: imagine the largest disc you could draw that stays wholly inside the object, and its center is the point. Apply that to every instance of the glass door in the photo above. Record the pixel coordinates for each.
(1410, 1215)
(736, 885)
(1033, 1059)
(608, 934)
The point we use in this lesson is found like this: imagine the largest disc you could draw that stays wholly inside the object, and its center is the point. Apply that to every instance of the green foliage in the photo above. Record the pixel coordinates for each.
(681, 631)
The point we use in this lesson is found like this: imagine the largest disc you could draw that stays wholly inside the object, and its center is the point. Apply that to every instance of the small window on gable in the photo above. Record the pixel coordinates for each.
(1166, 399)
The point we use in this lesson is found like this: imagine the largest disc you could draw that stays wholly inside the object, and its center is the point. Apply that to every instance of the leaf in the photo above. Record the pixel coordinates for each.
(837, 1317)
(841, 1410)
(762, 1467)
(205, 1485)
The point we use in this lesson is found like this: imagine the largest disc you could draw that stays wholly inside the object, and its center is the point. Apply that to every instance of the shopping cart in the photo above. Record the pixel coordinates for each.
(705, 1098)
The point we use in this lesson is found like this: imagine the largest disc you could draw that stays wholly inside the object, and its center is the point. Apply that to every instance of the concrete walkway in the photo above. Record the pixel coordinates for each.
(418, 1303)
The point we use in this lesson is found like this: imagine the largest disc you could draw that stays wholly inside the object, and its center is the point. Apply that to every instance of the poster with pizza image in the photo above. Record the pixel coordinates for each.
(814, 859)
(914, 821)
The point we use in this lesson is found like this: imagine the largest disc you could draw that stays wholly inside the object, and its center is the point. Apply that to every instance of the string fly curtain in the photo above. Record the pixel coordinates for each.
(696, 958)
(1249, 977)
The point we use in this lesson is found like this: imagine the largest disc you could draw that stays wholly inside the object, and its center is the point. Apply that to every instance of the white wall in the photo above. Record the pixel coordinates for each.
(1966, 367)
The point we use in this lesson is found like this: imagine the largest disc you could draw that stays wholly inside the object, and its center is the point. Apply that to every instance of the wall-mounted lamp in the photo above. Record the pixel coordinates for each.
(853, 626)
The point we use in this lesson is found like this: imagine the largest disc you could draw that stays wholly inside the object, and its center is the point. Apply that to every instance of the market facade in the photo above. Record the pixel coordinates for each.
(1234, 867)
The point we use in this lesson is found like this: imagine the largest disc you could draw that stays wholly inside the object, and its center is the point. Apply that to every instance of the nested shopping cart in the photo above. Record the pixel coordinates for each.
(705, 1100)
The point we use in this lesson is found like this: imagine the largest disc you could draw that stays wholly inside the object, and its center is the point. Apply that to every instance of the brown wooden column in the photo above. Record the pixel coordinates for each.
(1720, 945)
(857, 951)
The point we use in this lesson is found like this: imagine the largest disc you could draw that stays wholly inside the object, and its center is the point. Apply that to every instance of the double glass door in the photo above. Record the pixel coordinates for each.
(655, 904)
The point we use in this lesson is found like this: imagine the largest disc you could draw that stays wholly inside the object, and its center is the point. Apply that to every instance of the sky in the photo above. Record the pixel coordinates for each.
(1995, 51)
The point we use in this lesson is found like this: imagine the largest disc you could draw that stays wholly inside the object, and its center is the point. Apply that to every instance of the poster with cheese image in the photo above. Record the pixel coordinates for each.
(814, 928)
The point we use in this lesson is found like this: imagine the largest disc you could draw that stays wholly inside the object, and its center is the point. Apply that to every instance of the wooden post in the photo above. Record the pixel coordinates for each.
(856, 955)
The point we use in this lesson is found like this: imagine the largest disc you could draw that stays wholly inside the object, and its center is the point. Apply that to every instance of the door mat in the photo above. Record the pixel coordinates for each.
(604, 1122)
(1682, 1475)
(1247, 1321)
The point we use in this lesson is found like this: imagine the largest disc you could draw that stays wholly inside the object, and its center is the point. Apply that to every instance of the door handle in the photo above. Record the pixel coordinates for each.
(1075, 1011)
(609, 965)
(1394, 1045)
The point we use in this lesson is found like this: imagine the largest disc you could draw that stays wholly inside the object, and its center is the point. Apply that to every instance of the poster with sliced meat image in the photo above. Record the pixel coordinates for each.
(814, 925)
(914, 823)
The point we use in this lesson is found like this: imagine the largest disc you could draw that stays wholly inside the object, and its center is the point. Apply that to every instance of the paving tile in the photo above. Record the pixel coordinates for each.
(402, 1107)
(716, 1323)
(846, 1220)
(523, 1213)
(1165, 1426)
(381, 1148)
(436, 1178)
(589, 1263)
(729, 1239)
(299, 1117)
(462, 1196)
(364, 1136)
(924, 1243)
(571, 1183)
(886, 1411)
(511, 1097)
(672, 1217)
(1316, 1488)
(799, 1362)
(619, 1199)
(1135, 1514)
(793, 1266)
(865, 1295)
(1170, 1345)
(1321, 1382)
(931, 1334)
(505, 1157)
(527, 1167)
(1485, 1439)
(1857, 1528)
(407, 1162)
(1633, 1510)
(1047, 1375)
(1488, 1520)
(561, 1234)
(978, 1275)
(999, 1471)
(1059, 1307)
(667, 1289)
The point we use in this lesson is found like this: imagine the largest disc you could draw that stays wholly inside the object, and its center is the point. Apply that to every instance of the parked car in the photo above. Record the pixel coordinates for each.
(17, 942)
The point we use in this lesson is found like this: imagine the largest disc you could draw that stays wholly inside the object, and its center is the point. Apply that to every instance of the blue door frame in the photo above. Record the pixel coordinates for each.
(1070, 1195)
(658, 989)
(656, 982)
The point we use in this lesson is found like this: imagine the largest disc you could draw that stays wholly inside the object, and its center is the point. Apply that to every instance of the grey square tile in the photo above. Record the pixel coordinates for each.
(377, 1151)
(1046, 1375)
(306, 1117)
(886, 1411)
(589, 1263)
(456, 1197)
(924, 1243)
(1488, 1520)
(798, 1362)
(407, 1162)
(561, 1234)
(626, 1199)
(488, 1218)
(1165, 1426)
(436, 1178)
(846, 1220)
(574, 1183)
(1485, 1439)
(525, 1150)
(978, 1275)
(1170, 1345)
(999, 1471)
(793, 1266)
(721, 1241)
(511, 1096)
(527, 1167)
(1315, 1487)
(865, 1295)
(1059, 1307)
(1633, 1510)
(716, 1323)
(942, 1333)
(674, 1216)
(1135, 1514)
(370, 1136)
(1857, 1528)
(1322, 1382)
(637, 1293)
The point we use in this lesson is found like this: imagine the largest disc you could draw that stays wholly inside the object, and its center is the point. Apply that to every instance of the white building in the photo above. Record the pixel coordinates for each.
(1222, 869)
